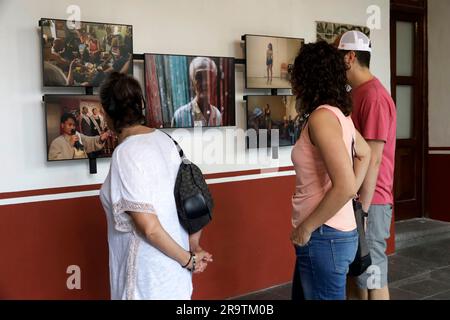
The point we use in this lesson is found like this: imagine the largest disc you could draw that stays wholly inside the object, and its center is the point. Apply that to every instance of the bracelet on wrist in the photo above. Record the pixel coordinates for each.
(190, 259)
(194, 260)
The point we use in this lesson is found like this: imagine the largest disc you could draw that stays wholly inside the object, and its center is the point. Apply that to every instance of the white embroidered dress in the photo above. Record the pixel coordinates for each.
(142, 179)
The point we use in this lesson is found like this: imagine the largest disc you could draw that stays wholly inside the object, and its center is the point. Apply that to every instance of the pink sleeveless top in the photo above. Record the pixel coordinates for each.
(313, 181)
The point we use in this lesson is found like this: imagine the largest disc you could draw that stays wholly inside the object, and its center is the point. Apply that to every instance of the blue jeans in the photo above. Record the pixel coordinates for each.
(322, 265)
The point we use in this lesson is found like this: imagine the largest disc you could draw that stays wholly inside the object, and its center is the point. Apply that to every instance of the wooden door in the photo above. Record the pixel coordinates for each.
(408, 68)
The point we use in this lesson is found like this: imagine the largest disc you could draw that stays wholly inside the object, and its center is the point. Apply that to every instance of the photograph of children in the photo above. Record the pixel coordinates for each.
(84, 56)
(189, 91)
(76, 128)
(270, 60)
(274, 113)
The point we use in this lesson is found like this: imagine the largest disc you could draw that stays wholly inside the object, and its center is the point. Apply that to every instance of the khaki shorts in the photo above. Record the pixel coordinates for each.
(377, 232)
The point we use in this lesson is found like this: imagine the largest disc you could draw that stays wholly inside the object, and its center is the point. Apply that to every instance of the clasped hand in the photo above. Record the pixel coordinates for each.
(202, 259)
(300, 236)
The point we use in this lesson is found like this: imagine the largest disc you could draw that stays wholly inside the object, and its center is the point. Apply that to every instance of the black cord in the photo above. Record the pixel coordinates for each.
(190, 259)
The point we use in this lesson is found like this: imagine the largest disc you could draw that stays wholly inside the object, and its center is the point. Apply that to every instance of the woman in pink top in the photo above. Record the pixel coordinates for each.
(324, 234)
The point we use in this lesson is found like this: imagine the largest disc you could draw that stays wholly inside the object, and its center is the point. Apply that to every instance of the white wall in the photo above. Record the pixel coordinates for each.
(439, 72)
(200, 27)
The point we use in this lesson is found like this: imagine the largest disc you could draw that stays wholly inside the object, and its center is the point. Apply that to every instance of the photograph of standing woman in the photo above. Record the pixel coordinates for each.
(269, 63)
(268, 60)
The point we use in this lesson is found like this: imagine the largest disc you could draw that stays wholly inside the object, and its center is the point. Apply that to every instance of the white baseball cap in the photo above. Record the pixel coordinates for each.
(355, 41)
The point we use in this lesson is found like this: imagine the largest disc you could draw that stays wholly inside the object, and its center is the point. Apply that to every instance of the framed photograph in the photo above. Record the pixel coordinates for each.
(76, 128)
(83, 54)
(270, 60)
(269, 113)
(330, 31)
(189, 91)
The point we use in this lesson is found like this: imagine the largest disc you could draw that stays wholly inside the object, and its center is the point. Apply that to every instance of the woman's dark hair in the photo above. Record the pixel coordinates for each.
(319, 78)
(121, 97)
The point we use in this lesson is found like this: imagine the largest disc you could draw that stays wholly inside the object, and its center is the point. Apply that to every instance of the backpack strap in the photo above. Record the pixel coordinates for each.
(180, 151)
(353, 155)
(353, 151)
(353, 165)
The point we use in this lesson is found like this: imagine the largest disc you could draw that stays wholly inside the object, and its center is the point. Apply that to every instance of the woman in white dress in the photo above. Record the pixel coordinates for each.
(151, 256)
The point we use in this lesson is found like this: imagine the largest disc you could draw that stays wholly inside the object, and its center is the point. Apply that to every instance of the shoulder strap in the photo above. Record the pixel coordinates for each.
(180, 151)
(353, 151)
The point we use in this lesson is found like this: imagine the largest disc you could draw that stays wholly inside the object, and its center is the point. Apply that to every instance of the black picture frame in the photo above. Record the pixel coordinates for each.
(247, 100)
(131, 72)
(233, 90)
(248, 59)
(45, 101)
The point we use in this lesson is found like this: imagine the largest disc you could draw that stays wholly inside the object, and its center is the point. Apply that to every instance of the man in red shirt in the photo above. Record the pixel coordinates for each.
(374, 115)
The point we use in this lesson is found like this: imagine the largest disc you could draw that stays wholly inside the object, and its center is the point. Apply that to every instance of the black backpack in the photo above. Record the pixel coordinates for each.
(192, 196)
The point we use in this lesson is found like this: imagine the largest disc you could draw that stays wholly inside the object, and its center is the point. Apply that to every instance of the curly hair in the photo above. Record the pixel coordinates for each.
(319, 78)
(122, 99)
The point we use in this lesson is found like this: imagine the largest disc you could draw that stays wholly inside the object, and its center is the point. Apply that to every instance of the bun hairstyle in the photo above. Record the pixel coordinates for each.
(122, 99)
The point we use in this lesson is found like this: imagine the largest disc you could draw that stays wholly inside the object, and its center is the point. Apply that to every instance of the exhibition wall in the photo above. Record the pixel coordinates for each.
(439, 72)
(160, 27)
(438, 173)
(51, 215)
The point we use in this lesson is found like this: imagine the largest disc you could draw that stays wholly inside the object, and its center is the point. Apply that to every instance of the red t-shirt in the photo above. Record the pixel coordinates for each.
(375, 117)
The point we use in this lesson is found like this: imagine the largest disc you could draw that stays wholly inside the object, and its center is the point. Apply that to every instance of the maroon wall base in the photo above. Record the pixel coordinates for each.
(438, 190)
(249, 239)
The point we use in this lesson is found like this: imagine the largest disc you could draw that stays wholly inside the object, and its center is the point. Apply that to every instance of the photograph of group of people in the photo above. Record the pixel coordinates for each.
(189, 91)
(274, 113)
(76, 128)
(84, 54)
(270, 60)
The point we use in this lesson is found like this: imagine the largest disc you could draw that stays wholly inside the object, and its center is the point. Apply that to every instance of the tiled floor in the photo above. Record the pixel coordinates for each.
(421, 272)
(417, 273)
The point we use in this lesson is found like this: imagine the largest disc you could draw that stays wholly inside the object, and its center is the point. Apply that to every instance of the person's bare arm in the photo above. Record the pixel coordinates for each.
(150, 226)
(370, 182)
(95, 143)
(70, 75)
(362, 159)
(194, 241)
(194, 244)
(126, 66)
(60, 61)
(326, 133)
